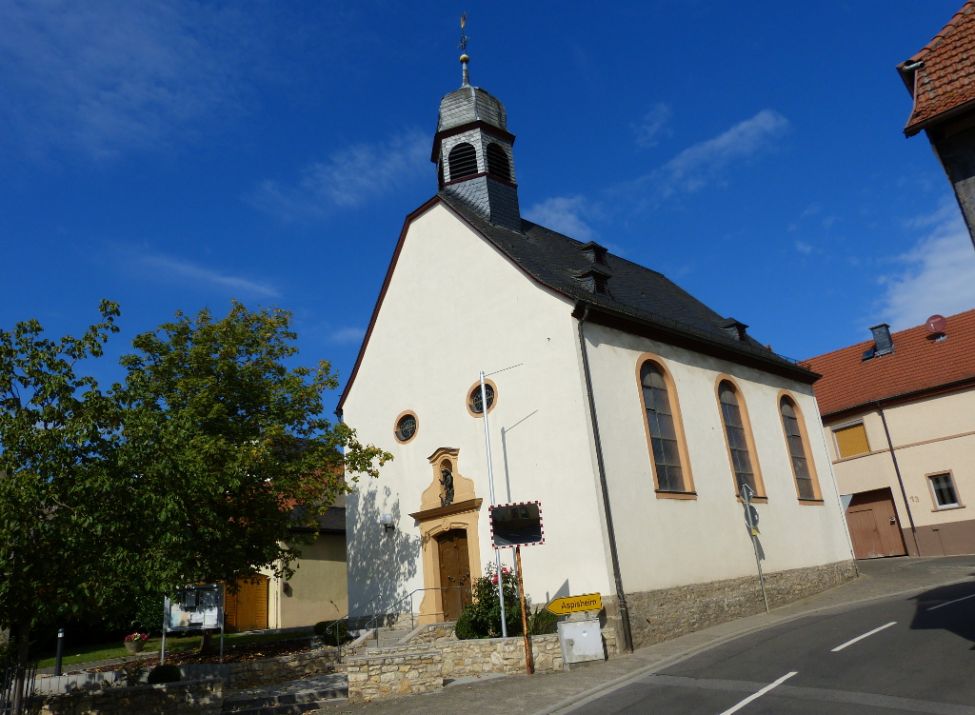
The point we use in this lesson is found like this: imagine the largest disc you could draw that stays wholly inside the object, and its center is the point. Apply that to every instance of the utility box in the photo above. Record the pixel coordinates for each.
(581, 641)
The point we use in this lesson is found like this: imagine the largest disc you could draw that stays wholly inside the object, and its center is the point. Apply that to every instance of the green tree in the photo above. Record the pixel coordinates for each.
(226, 440)
(63, 515)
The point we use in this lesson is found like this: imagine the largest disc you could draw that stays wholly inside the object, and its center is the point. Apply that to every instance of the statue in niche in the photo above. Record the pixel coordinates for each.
(446, 485)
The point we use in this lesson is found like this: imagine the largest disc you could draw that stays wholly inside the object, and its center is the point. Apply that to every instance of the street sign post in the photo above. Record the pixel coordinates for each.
(751, 522)
(576, 604)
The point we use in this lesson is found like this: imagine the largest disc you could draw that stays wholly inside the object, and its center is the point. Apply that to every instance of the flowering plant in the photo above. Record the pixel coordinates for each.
(136, 637)
(505, 573)
(481, 617)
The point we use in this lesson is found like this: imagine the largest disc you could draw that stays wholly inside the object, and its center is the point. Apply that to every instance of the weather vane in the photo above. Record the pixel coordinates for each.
(464, 59)
(463, 35)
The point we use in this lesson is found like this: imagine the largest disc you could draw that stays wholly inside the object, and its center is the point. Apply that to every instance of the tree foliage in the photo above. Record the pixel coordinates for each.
(226, 440)
(189, 470)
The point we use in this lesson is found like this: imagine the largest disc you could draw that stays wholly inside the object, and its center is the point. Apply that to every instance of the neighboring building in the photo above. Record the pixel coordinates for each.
(899, 418)
(941, 79)
(318, 590)
(630, 410)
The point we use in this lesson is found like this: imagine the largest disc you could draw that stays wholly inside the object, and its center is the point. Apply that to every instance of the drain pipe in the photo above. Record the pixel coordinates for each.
(900, 480)
(611, 532)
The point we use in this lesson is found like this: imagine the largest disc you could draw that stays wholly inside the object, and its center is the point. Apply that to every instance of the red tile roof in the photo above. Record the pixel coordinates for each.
(917, 363)
(945, 80)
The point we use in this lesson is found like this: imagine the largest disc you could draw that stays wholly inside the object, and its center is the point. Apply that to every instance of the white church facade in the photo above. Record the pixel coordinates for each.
(631, 411)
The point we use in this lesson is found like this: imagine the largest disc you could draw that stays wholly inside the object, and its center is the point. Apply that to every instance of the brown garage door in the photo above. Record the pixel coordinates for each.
(246, 610)
(874, 528)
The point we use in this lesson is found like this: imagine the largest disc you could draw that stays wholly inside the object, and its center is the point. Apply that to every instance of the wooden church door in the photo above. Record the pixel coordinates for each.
(455, 572)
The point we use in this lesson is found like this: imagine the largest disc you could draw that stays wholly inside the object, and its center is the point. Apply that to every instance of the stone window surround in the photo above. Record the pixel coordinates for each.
(469, 397)
(929, 478)
(804, 436)
(761, 496)
(396, 422)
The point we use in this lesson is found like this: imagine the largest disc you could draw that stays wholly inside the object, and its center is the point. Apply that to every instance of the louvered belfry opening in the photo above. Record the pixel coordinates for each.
(497, 161)
(463, 161)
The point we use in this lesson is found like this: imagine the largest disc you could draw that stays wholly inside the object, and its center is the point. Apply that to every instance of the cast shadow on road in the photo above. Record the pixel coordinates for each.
(940, 608)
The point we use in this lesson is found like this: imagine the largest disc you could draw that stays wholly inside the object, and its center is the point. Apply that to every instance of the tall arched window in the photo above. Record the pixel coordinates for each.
(498, 164)
(664, 431)
(462, 161)
(807, 486)
(738, 436)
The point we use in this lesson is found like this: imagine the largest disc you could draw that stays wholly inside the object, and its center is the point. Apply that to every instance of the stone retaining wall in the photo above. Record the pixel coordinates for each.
(384, 675)
(657, 616)
(266, 671)
(498, 655)
(201, 696)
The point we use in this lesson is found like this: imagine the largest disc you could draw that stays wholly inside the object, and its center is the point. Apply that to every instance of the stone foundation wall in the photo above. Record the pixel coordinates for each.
(498, 655)
(389, 675)
(671, 612)
(201, 696)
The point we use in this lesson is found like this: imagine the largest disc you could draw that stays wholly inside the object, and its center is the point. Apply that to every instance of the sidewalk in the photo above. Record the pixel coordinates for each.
(553, 692)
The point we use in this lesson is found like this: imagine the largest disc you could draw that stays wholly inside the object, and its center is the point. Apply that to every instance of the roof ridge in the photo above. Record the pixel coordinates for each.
(942, 34)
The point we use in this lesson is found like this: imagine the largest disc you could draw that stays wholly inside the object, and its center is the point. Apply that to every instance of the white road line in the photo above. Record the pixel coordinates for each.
(948, 603)
(760, 693)
(838, 648)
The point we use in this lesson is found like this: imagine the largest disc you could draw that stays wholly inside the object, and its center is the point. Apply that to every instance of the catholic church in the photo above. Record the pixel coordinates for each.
(632, 412)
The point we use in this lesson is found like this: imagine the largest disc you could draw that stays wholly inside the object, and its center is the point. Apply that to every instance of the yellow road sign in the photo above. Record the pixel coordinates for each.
(574, 604)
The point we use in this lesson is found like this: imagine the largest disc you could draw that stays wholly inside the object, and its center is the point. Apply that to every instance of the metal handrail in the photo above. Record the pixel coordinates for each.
(369, 625)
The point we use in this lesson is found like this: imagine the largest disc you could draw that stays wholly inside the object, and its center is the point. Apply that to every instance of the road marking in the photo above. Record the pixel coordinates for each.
(948, 603)
(760, 693)
(838, 648)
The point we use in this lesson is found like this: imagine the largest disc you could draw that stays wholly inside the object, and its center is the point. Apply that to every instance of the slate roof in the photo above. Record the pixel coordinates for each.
(918, 364)
(945, 81)
(634, 293)
(470, 104)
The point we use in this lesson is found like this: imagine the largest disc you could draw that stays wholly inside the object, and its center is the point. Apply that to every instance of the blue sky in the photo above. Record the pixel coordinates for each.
(176, 155)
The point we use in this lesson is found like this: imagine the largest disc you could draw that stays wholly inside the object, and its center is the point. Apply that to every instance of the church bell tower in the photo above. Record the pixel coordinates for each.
(473, 152)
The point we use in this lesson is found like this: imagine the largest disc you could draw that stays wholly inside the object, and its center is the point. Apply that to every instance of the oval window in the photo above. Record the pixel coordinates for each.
(475, 400)
(405, 427)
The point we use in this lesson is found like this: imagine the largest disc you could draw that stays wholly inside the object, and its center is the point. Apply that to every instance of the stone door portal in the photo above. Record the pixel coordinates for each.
(455, 572)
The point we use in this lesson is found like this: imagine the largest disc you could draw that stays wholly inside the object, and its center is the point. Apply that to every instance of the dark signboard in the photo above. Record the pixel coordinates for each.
(514, 524)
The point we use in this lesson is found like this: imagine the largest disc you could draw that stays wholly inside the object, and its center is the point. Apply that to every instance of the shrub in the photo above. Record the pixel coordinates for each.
(328, 631)
(543, 621)
(483, 614)
(464, 630)
(164, 674)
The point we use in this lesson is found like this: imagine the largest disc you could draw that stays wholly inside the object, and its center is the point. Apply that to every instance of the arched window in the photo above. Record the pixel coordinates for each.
(803, 469)
(738, 436)
(664, 430)
(463, 161)
(498, 164)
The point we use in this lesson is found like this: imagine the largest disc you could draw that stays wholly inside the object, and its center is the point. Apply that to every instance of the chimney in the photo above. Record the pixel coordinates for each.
(882, 342)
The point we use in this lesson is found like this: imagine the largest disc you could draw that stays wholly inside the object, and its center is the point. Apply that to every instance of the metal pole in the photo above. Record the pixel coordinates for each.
(529, 657)
(490, 468)
(162, 647)
(761, 576)
(59, 653)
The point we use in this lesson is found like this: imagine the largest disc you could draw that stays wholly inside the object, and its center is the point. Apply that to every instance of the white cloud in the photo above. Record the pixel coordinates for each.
(697, 165)
(652, 125)
(804, 248)
(190, 271)
(563, 214)
(348, 178)
(937, 274)
(104, 77)
(346, 336)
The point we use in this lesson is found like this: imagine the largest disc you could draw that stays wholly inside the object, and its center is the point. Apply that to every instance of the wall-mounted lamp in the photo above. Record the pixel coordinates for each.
(386, 521)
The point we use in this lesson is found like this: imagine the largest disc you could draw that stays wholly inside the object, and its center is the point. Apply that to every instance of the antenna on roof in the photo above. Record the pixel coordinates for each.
(464, 59)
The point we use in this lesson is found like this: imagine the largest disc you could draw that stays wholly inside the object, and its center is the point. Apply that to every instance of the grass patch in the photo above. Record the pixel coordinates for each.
(111, 651)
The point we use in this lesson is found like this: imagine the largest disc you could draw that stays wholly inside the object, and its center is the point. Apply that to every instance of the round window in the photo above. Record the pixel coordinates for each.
(406, 427)
(475, 401)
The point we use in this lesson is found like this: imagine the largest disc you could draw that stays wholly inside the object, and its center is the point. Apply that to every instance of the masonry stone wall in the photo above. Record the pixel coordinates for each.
(202, 696)
(383, 675)
(498, 655)
(265, 671)
(660, 615)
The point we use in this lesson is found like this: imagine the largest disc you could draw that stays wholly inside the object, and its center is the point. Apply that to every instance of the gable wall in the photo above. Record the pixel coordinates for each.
(454, 306)
(668, 542)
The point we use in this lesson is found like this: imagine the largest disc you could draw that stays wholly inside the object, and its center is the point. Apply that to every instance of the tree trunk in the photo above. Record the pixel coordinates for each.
(206, 645)
(22, 643)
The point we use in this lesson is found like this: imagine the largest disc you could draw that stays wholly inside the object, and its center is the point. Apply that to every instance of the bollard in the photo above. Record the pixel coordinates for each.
(59, 652)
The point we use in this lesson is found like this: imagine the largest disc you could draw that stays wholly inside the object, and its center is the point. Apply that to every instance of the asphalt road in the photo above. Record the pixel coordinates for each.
(914, 655)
